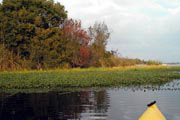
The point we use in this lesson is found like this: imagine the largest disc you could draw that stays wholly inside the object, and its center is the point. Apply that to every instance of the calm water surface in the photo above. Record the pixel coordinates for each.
(91, 104)
(173, 64)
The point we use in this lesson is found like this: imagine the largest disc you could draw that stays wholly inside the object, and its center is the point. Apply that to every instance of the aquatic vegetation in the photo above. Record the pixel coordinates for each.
(90, 77)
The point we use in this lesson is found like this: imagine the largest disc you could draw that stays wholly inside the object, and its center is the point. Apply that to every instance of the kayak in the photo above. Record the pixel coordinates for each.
(152, 113)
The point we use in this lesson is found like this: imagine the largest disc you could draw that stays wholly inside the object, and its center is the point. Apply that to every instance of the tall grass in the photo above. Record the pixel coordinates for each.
(11, 62)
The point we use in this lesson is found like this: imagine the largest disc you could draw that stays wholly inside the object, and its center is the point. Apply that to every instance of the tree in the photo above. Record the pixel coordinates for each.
(47, 49)
(22, 20)
(100, 35)
(78, 43)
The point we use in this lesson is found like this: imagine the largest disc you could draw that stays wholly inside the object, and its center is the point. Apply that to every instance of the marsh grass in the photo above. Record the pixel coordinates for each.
(90, 77)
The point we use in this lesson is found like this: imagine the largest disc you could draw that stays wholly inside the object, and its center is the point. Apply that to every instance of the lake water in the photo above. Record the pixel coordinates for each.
(173, 64)
(91, 104)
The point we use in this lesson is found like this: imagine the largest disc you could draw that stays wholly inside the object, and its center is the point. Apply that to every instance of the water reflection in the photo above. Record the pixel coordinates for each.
(124, 103)
(53, 105)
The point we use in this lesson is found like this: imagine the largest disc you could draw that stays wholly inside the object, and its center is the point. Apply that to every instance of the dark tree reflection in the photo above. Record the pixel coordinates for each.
(52, 105)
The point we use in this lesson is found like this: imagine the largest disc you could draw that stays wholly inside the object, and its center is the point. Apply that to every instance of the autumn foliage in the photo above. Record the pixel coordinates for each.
(78, 42)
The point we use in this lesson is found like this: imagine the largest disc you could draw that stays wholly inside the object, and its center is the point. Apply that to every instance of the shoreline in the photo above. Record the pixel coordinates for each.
(89, 77)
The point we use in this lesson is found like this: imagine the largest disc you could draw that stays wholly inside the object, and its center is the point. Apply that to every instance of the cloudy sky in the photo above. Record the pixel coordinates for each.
(146, 29)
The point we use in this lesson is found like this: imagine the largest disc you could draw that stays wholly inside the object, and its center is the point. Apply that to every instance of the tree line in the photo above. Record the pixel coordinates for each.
(37, 34)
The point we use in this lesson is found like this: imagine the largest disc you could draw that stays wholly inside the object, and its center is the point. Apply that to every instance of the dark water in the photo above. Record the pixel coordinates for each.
(91, 104)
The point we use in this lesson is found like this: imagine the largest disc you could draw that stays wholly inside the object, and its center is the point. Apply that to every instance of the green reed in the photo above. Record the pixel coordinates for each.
(92, 77)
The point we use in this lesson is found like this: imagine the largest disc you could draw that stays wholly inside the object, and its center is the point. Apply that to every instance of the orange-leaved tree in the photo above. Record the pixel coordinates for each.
(78, 43)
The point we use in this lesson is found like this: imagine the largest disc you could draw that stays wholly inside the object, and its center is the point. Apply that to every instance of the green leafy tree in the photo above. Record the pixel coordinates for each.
(23, 20)
(48, 49)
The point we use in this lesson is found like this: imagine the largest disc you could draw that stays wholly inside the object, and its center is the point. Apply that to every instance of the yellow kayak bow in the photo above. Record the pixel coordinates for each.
(152, 113)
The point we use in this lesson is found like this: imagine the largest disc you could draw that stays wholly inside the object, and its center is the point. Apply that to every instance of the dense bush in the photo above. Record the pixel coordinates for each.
(8, 61)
